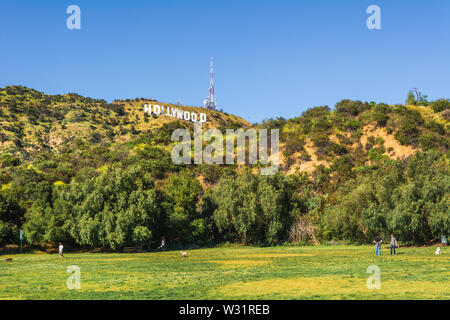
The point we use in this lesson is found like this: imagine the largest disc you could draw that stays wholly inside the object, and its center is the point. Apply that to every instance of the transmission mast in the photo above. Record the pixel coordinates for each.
(210, 102)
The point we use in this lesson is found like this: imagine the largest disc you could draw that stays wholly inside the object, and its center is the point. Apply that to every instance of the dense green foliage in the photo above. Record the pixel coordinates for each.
(408, 199)
(82, 171)
(253, 208)
(415, 97)
(115, 209)
(441, 105)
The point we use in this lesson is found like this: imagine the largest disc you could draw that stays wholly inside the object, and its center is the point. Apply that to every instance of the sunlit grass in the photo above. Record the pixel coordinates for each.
(329, 272)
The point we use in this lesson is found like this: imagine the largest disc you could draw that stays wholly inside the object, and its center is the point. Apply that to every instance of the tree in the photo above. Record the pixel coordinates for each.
(182, 193)
(410, 99)
(253, 208)
(11, 218)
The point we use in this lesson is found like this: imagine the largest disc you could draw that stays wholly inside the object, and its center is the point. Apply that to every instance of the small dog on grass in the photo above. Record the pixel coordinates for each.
(438, 251)
(184, 254)
(8, 260)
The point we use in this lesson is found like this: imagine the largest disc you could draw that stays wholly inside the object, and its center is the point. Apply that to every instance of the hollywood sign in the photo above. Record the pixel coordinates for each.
(175, 113)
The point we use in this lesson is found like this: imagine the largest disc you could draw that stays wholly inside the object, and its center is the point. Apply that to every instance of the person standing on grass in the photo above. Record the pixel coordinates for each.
(163, 244)
(393, 243)
(60, 250)
(377, 242)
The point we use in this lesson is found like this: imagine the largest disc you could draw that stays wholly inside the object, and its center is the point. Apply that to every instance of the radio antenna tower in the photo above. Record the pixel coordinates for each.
(210, 102)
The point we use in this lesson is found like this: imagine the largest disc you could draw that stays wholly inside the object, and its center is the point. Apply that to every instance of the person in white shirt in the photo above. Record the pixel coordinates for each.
(60, 250)
(163, 244)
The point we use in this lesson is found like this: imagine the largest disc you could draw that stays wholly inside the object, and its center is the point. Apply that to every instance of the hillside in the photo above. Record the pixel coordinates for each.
(358, 133)
(92, 173)
(33, 121)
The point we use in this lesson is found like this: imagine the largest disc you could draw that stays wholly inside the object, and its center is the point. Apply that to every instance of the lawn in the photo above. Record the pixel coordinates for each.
(324, 272)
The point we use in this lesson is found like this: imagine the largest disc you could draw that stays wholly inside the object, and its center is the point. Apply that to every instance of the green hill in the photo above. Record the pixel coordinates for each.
(33, 121)
(360, 134)
(92, 173)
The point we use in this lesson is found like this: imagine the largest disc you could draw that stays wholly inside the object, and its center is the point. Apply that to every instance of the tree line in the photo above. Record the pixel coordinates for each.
(121, 208)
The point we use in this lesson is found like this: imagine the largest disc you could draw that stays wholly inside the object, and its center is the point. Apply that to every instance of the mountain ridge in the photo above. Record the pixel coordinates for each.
(33, 121)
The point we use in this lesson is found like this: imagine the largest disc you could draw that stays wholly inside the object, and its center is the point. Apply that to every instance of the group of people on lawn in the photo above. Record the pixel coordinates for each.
(378, 242)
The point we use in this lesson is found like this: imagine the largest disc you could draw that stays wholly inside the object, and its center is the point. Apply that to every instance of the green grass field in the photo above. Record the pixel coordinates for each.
(327, 272)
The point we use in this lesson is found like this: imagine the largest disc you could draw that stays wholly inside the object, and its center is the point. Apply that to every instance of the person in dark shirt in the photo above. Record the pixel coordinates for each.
(377, 242)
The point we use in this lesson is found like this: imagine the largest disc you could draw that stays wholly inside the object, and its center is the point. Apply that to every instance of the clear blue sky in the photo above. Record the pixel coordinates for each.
(273, 57)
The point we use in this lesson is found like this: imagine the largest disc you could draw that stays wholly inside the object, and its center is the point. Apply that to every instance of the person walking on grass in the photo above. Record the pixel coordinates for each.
(393, 243)
(377, 242)
(60, 251)
(163, 244)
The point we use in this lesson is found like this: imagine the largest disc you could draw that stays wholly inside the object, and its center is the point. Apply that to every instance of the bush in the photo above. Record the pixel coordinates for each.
(212, 173)
(337, 149)
(316, 112)
(352, 108)
(322, 143)
(440, 105)
(427, 142)
(352, 124)
(408, 126)
(380, 114)
(436, 127)
(376, 153)
(9, 161)
(406, 136)
(293, 145)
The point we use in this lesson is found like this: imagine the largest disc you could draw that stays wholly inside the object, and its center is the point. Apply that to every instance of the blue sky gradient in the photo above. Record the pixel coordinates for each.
(272, 58)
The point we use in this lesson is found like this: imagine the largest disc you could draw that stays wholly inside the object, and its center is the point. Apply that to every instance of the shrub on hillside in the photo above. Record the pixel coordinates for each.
(407, 135)
(8, 160)
(352, 108)
(436, 127)
(380, 114)
(427, 141)
(408, 122)
(440, 105)
(322, 143)
(211, 173)
(352, 124)
(293, 145)
(316, 112)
